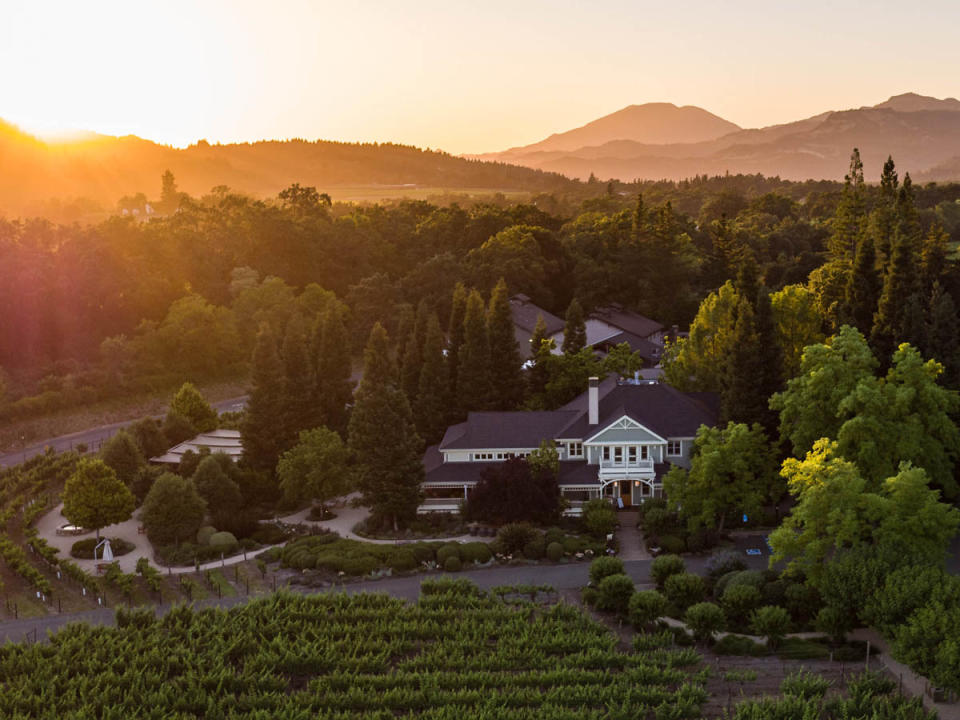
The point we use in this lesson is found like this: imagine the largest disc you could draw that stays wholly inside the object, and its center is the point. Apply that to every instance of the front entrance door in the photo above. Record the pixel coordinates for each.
(625, 492)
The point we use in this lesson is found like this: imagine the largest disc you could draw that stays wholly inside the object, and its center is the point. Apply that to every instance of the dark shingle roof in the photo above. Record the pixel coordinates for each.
(661, 408)
(505, 429)
(648, 350)
(525, 314)
(628, 321)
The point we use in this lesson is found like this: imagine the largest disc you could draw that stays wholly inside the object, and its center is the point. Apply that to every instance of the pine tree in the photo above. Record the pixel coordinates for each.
(334, 365)
(914, 330)
(473, 374)
(943, 336)
(639, 218)
(883, 219)
(299, 410)
(411, 360)
(908, 219)
(899, 284)
(575, 329)
(848, 223)
(863, 289)
(541, 347)
(432, 393)
(263, 421)
(933, 258)
(383, 439)
(506, 378)
(455, 329)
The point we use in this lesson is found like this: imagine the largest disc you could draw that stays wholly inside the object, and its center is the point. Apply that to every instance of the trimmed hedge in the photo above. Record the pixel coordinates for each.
(554, 552)
(83, 549)
(452, 564)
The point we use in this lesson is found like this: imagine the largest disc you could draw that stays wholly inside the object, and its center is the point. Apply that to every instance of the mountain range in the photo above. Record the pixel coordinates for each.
(662, 141)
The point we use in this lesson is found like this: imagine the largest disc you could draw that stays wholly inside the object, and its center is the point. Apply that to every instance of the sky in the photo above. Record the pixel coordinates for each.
(462, 76)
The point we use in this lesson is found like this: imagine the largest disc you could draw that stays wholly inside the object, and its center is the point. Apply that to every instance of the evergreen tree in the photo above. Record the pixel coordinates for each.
(908, 219)
(189, 403)
(383, 439)
(933, 258)
(412, 360)
(406, 318)
(333, 369)
(122, 454)
(914, 329)
(218, 489)
(848, 223)
(263, 421)
(473, 373)
(300, 412)
(943, 336)
(575, 329)
(899, 284)
(754, 367)
(432, 393)
(538, 375)
(506, 378)
(863, 288)
(455, 331)
(639, 217)
(883, 219)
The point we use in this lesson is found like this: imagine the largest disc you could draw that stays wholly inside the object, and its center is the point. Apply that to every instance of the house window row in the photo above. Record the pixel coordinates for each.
(497, 455)
(673, 448)
(616, 452)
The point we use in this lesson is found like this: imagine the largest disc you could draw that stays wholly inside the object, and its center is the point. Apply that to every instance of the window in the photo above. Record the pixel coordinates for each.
(632, 454)
(644, 452)
(483, 456)
(575, 449)
(618, 454)
(606, 452)
(673, 448)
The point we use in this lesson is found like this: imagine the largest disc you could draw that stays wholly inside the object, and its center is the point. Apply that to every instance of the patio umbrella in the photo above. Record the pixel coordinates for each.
(107, 554)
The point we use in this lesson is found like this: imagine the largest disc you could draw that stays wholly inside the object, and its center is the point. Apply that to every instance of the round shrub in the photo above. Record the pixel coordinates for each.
(83, 549)
(223, 542)
(697, 542)
(671, 544)
(771, 622)
(403, 560)
(475, 552)
(803, 601)
(554, 535)
(774, 593)
(614, 593)
(739, 601)
(645, 607)
(599, 518)
(753, 578)
(360, 565)
(535, 549)
(452, 564)
(723, 563)
(447, 551)
(704, 619)
(603, 567)
(835, 622)
(205, 533)
(665, 566)
(554, 552)
(423, 552)
(685, 589)
(515, 536)
(590, 596)
(656, 520)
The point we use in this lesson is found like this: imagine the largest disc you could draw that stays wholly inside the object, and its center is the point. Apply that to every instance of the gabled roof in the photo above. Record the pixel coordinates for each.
(658, 407)
(505, 429)
(525, 313)
(648, 350)
(225, 441)
(628, 321)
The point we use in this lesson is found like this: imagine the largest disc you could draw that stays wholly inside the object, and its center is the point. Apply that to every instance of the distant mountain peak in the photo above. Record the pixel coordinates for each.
(914, 102)
(655, 123)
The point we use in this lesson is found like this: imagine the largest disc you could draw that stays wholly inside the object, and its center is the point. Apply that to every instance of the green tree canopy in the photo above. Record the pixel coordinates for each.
(733, 470)
(173, 510)
(263, 422)
(218, 489)
(506, 380)
(123, 455)
(797, 323)
(316, 468)
(95, 497)
(574, 330)
(189, 403)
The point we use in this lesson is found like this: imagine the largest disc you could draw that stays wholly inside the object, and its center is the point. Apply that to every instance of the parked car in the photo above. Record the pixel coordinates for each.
(69, 529)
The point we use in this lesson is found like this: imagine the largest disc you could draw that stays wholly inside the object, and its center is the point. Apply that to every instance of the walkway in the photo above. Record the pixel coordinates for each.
(632, 545)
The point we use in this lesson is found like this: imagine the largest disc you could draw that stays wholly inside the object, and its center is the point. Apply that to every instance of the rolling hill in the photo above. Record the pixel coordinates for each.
(921, 133)
(103, 168)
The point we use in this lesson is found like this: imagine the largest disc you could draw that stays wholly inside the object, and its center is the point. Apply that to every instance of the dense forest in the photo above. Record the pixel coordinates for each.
(125, 305)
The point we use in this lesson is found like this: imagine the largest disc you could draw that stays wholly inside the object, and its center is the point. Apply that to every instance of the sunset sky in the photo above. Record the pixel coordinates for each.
(461, 76)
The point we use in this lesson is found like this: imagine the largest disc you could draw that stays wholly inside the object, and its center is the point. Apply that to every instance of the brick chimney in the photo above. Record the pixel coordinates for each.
(593, 401)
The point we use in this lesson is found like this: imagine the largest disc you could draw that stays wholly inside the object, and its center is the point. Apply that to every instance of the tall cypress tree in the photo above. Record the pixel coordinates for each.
(300, 412)
(575, 329)
(430, 408)
(458, 311)
(263, 421)
(384, 440)
(334, 366)
(943, 336)
(541, 346)
(506, 378)
(863, 289)
(900, 283)
(914, 329)
(933, 258)
(412, 360)
(639, 218)
(473, 373)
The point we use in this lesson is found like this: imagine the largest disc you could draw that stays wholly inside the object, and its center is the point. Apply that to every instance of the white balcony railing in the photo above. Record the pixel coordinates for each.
(624, 467)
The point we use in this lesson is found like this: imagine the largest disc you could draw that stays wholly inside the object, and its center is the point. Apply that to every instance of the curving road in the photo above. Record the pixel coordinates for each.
(95, 437)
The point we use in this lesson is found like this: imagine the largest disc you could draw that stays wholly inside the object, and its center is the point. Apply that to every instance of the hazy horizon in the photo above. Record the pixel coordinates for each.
(453, 76)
